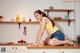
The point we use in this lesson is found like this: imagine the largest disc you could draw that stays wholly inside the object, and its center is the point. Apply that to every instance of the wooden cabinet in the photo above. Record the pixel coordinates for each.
(43, 50)
(69, 50)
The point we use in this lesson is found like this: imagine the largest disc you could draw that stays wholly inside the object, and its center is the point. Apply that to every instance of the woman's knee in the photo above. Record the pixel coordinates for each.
(46, 41)
(53, 41)
(50, 43)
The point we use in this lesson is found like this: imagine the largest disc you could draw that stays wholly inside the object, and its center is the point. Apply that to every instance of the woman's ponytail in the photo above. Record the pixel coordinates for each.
(44, 15)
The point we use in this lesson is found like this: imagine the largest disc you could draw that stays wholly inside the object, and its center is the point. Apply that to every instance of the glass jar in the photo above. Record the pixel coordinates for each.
(23, 20)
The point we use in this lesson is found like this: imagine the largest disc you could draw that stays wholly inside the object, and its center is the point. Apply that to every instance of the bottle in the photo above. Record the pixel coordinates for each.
(30, 20)
(17, 18)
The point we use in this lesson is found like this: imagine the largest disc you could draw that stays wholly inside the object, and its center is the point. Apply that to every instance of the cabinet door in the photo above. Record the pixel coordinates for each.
(17, 49)
(21, 49)
(10, 49)
(43, 50)
(70, 51)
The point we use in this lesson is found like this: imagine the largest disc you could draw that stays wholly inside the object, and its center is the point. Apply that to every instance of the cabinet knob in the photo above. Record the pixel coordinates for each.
(12, 47)
(44, 52)
(16, 47)
(62, 51)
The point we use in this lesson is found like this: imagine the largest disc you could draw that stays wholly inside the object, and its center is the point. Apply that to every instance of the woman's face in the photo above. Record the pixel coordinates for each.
(38, 16)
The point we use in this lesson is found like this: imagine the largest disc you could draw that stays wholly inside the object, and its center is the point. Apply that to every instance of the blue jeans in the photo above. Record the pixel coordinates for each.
(58, 34)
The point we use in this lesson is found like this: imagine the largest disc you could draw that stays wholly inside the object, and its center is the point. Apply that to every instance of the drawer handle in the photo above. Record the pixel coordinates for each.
(12, 47)
(16, 47)
(62, 51)
(44, 52)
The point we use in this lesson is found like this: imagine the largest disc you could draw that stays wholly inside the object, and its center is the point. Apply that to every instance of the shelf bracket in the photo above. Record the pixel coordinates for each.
(69, 22)
(68, 13)
(47, 13)
(19, 25)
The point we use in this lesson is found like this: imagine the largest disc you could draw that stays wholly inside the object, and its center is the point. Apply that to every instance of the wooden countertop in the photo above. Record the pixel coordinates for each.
(13, 44)
(54, 47)
(40, 46)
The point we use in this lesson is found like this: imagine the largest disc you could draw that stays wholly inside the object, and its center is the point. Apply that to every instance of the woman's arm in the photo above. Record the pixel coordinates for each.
(38, 32)
(41, 31)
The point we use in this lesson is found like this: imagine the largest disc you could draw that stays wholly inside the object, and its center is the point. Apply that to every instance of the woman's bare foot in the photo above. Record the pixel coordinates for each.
(70, 43)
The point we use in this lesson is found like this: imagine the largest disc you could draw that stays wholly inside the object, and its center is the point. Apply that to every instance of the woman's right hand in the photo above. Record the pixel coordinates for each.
(35, 44)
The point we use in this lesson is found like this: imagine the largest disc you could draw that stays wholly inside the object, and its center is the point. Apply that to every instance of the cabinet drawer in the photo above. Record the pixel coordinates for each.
(69, 50)
(44, 50)
(17, 49)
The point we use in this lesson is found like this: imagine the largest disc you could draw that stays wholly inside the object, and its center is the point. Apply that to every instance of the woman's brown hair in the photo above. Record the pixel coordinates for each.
(44, 15)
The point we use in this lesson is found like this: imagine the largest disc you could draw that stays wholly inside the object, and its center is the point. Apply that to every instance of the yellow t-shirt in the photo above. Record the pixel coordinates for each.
(49, 27)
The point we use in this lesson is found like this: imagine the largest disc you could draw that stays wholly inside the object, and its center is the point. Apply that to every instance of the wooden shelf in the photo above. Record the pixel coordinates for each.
(58, 10)
(63, 19)
(30, 22)
(69, 20)
(19, 23)
(35, 22)
(61, 10)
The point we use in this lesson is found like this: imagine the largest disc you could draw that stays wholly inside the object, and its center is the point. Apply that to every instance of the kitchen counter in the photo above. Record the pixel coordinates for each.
(54, 47)
(40, 46)
(29, 48)
(13, 44)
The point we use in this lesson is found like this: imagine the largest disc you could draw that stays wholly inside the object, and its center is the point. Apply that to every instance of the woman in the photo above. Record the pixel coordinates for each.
(56, 36)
